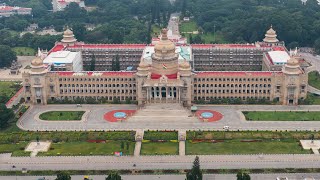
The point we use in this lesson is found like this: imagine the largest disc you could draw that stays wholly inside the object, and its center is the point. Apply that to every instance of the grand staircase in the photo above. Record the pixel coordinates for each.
(170, 112)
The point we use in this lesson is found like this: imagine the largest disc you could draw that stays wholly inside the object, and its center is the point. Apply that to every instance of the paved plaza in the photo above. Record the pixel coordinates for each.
(165, 117)
(35, 147)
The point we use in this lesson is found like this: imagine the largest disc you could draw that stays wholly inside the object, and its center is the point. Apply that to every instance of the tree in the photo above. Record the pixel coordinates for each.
(7, 55)
(317, 45)
(195, 173)
(93, 63)
(113, 176)
(5, 115)
(63, 176)
(241, 175)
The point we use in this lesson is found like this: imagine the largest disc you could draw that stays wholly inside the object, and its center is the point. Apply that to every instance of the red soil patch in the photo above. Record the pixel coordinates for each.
(109, 116)
(216, 116)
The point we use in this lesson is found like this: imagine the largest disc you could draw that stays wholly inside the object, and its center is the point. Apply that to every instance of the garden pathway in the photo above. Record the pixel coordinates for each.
(182, 142)
(138, 138)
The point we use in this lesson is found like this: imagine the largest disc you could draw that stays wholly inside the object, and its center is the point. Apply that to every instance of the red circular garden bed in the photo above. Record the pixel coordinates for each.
(216, 115)
(109, 116)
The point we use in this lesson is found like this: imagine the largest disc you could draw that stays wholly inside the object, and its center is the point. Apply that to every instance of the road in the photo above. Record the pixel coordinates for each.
(292, 176)
(232, 117)
(314, 60)
(159, 162)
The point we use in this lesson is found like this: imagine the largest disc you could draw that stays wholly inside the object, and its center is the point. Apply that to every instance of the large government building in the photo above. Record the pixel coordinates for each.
(166, 72)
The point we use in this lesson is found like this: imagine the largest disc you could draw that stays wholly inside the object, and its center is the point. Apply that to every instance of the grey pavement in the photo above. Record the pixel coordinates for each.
(257, 161)
(314, 60)
(169, 118)
(292, 176)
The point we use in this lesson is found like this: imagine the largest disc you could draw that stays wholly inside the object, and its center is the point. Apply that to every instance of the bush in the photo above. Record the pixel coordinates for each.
(160, 135)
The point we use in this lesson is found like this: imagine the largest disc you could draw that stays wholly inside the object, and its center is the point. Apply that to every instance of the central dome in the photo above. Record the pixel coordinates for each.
(164, 47)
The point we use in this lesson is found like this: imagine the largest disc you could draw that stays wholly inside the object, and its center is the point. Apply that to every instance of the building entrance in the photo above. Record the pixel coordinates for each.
(163, 95)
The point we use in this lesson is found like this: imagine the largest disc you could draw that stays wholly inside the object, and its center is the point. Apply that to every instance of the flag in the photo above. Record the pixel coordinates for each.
(164, 66)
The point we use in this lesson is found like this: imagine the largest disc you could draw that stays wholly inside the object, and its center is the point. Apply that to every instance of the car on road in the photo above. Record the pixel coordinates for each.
(282, 178)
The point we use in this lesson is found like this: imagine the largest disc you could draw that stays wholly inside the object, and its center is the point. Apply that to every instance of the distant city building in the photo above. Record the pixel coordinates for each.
(60, 5)
(6, 11)
(169, 73)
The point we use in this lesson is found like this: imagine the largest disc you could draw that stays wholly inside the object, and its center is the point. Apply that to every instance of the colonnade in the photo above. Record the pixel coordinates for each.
(163, 94)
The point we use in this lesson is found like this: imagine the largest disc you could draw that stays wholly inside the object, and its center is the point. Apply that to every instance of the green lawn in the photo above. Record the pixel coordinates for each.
(86, 148)
(209, 38)
(282, 115)
(160, 148)
(9, 88)
(155, 30)
(62, 115)
(16, 149)
(314, 79)
(188, 26)
(160, 135)
(237, 147)
(24, 51)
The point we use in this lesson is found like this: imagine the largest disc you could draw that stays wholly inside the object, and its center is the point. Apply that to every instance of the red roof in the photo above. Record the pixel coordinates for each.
(278, 48)
(157, 76)
(57, 47)
(107, 46)
(104, 73)
(236, 73)
(223, 46)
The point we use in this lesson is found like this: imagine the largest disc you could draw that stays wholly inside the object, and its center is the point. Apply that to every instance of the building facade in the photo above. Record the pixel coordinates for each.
(167, 75)
(6, 11)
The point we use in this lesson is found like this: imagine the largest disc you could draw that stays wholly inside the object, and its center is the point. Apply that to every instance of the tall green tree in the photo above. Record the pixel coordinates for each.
(7, 55)
(117, 63)
(241, 175)
(93, 63)
(317, 45)
(195, 173)
(113, 176)
(5, 115)
(63, 176)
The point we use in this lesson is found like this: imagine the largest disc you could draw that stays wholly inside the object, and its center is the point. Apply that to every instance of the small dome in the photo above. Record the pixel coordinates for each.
(293, 61)
(164, 44)
(271, 31)
(143, 64)
(37, 62)
(68, 32)
(184, 65)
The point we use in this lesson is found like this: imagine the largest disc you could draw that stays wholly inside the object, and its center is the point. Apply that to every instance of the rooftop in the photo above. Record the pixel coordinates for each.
(236, 73)
(60, 57)
(278, 57)
(96, 73)
(183, 51)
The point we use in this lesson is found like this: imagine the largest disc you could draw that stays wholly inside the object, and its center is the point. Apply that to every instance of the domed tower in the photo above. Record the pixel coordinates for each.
(271, 37)
(295, 82)
(185, 68)
(35, 82)
(165, 59)
(68, 38)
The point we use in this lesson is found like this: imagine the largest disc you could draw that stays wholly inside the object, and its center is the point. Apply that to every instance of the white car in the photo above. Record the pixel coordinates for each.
(282, 178)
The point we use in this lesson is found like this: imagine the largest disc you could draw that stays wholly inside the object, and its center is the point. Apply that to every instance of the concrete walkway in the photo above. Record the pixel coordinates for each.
(159, 162)
(182, 134)
(138, 138)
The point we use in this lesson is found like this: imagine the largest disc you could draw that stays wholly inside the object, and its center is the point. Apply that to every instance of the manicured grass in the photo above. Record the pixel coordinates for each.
(9, 88)
(17, 149)
(188, 26)
(282, 115)
(265, 135)
(66, 136)
(86, 148)
(314, 79)
(237, 147)
(62, 115)
(24, 51)
(209, 38)
(160, 148)
(160, 135)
